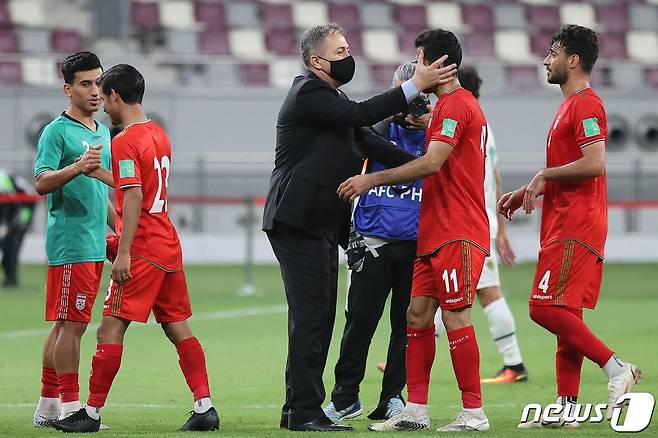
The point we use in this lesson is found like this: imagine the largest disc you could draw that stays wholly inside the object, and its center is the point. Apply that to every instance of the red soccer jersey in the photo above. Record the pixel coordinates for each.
(141, 157)
(576, 209)
(453, 198)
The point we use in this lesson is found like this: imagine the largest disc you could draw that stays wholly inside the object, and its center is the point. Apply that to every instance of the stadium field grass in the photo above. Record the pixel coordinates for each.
(245, 343)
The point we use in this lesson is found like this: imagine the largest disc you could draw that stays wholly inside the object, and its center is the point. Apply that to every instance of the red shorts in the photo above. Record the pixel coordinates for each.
(71, 291)
(450, 275)
(150, 289)
(568, 274)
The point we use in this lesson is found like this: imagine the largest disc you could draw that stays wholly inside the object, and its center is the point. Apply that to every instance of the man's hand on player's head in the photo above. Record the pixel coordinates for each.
(121, 268)
(428, 77)
(510, 202)
(352, 187)
(532, 191)
(505, 251)
(90, 160)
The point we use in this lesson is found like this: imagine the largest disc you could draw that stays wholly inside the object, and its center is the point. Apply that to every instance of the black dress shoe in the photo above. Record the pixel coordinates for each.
(320, 425)
(283, 424)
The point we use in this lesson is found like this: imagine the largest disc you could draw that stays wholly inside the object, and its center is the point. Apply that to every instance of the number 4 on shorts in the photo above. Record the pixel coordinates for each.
(543, 283)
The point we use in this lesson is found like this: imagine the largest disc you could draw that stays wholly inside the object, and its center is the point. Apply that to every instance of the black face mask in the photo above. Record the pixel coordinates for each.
(342, 70)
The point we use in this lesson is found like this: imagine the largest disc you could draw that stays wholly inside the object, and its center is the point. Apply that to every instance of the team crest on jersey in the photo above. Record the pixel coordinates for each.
(80, 301)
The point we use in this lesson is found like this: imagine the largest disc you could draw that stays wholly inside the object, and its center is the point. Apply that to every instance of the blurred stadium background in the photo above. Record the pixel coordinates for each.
(216, 73)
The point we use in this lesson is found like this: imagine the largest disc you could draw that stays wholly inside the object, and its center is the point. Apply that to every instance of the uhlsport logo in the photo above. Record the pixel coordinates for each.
(639, 407)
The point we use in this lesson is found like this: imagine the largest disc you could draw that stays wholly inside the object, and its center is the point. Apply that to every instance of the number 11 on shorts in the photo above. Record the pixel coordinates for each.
(453, 277)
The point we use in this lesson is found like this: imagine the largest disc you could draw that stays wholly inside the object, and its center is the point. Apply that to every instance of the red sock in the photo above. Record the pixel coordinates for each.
(421, 349)
(568, 363)
(193, 364)
(68, 387)
(466, 365)
(49, 386)
(569, 326)
(104, 367)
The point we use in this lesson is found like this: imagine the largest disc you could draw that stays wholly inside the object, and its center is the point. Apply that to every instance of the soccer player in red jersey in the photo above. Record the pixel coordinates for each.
(147, 274)
(453, 241)
(574, 222)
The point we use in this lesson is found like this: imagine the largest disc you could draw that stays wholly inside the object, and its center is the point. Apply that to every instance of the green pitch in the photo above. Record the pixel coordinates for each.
(245, 343)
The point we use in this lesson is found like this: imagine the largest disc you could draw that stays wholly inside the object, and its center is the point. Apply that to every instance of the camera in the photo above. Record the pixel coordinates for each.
(417, 107)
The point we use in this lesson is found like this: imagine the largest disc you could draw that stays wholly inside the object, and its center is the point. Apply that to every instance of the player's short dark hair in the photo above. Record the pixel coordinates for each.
(125, 80)
(80, 61)
(470, 79)
(438, 42)
(578, 40)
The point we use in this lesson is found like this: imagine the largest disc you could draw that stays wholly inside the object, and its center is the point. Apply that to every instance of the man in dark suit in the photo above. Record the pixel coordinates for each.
(321, 141)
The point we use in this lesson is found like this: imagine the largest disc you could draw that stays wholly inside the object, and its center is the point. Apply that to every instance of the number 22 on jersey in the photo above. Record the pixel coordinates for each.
(162, 168)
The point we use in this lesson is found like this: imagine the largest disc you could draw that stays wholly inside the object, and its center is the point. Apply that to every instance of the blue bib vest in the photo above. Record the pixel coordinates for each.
(391, 212)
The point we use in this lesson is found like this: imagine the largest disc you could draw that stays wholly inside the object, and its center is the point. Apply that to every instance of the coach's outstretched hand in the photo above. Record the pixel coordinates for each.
(428, 77)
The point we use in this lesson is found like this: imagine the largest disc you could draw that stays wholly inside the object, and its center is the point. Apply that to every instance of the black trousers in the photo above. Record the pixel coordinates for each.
(10, 247)
(369, 289)
(309, 268)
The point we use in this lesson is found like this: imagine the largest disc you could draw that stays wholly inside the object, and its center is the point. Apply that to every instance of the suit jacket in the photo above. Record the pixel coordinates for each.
(321, 140)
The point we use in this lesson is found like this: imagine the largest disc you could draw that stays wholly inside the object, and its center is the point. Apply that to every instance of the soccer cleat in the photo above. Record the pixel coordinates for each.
(507, 375)
(209, 420)
(68, 414)
(394, 406)
(621, 384)
(467, 420)
(78, 422)
(408, 419)
(44, 419)
(352, 411)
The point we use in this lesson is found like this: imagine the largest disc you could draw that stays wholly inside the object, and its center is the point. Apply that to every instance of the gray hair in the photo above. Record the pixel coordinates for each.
(313, 39)
(404, 72)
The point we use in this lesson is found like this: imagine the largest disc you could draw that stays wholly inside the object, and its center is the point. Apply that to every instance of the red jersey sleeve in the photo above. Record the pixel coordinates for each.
(590, 124)
(125, 164)
(450, 120)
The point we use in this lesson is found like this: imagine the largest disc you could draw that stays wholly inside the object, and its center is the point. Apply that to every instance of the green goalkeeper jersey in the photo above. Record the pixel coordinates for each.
(77, 211)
